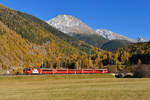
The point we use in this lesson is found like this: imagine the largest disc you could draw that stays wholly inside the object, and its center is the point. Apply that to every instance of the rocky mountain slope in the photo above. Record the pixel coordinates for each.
(70, 25)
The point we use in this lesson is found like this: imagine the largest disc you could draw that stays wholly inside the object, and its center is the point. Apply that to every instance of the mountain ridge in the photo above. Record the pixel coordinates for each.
(67, 24)
(141, 39)
(71, 25)
(113, 36)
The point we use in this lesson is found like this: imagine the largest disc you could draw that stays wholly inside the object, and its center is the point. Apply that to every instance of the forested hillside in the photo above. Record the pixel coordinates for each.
(93, 39)
(74, 42)
(132, 54)
(137, 53)
(113, 45)
(16, 51)
(33, 39)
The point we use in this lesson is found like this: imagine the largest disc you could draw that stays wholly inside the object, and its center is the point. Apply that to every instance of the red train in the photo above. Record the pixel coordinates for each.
(31, 71)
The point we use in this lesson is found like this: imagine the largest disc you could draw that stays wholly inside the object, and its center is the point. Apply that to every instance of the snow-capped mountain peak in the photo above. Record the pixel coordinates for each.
(141, 39)
(70, 25)
(112, 36)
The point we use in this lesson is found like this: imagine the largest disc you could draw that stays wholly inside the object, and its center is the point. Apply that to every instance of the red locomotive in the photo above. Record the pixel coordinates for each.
(63, 71)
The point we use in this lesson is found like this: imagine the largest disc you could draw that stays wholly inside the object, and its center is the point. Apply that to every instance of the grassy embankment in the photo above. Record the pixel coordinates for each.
(73, 87)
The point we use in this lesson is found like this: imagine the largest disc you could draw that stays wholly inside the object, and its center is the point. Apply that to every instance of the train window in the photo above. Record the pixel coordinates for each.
(47, 70)
(88, 70)
(100, 70)
(61, 70)
(71, 70)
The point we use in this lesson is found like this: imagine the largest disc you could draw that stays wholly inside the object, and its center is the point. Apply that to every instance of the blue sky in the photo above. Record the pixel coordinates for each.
(126, 17)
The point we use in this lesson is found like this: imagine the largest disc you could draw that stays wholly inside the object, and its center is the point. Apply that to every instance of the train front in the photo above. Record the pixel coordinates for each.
(32, 71)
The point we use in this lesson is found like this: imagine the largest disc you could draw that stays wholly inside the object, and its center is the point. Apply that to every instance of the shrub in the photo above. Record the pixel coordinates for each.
(141, 71)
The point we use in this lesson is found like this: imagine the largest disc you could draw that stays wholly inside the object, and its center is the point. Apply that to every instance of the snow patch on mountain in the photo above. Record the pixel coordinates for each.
(112, 35)
(141, 39)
